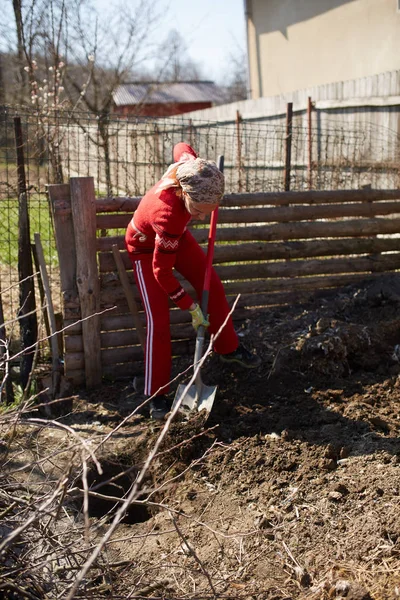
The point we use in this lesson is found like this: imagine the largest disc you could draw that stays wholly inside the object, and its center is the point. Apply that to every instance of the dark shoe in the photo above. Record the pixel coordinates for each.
(242, 357)
(158, 408)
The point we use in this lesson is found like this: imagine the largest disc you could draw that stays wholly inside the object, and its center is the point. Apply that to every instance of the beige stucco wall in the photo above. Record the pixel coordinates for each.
(293, 44)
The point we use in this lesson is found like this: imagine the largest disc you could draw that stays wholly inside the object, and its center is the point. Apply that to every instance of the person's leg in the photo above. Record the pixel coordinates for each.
(191, 263)
(158, 337)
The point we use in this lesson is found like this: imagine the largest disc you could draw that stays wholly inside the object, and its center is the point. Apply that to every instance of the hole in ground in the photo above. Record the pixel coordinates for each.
(115, 482)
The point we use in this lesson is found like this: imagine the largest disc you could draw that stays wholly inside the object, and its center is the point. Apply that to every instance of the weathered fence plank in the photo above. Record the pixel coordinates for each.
(281, 214)
(287, 250)
(299, 268)
(310, 229)
(84, 216)
(129, 205)
(60, 202)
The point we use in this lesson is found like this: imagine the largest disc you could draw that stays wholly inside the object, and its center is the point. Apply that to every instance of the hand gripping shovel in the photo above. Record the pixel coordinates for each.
(201, 396)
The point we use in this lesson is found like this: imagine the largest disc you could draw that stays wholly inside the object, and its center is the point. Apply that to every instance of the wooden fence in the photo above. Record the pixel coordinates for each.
(272, 249)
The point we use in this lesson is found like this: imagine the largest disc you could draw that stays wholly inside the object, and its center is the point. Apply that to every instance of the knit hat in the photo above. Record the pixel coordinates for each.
(200, 179)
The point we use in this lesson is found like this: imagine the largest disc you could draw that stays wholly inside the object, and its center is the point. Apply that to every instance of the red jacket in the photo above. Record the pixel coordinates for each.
(156, 228)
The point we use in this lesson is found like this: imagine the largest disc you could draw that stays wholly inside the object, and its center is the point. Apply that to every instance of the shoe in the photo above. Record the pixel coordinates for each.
(242, 357)
(158, 408)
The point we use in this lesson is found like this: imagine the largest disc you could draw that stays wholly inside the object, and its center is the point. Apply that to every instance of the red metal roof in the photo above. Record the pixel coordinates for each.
(167, 92)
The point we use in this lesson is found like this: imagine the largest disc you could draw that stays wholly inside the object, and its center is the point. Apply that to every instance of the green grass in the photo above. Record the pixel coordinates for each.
(40, 222)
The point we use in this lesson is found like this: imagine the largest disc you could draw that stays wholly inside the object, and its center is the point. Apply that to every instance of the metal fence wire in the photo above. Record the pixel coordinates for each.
(127, 156)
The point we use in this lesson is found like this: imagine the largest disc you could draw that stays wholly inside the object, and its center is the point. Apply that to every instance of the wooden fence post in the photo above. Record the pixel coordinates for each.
(60, 200)
(309, 139)
(87, 277)
(288, 146)
(239, 151)
(27, 308)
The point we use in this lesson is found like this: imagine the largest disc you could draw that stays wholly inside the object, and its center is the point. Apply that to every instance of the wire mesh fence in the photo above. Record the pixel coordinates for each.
(126, 156)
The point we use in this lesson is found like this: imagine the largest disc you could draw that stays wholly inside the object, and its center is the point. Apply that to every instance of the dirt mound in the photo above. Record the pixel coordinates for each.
(291, 488)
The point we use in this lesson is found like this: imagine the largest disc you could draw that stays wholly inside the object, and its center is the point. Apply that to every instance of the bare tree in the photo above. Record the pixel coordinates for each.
(235, 80)
(179, 66)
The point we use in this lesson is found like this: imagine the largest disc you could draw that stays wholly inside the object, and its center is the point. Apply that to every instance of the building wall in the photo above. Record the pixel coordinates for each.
(293, 44)
(160, 110)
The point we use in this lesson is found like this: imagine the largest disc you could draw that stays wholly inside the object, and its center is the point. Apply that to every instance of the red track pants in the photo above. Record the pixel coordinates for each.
(191, 264)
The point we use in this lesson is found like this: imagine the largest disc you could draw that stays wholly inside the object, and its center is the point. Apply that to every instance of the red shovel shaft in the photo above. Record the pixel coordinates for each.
(210, 249)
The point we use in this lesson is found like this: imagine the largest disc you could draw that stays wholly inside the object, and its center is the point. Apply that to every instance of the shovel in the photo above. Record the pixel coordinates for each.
(201, 396)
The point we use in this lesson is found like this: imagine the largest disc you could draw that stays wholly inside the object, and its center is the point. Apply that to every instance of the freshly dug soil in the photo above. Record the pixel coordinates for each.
(291, 488)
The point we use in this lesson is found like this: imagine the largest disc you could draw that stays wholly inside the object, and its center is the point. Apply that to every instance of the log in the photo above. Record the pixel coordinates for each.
(123, 371)
(73, 343)
(73, 327)
(283, 214)
(126, 337)
(118, 204)
(306, 230)
(255, 251)
(129, 204)
(286, 214)
(247, 288)
(110, 372)
(295, 268)
(83, 213)
(124, 321)
(300, 268)
(106, 243)
(113, 221)
(303, 249)
(309, 197)
(113, 356)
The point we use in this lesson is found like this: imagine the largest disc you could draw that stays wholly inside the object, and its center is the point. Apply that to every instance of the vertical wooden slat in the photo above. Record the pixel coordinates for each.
(60, 200)
(56, 367)
(87, 278)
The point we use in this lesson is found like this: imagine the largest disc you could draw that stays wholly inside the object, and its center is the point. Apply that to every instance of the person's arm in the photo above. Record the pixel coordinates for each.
(183, 151)
(164, 258)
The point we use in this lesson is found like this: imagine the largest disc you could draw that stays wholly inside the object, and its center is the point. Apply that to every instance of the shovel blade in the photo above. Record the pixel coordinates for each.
(194, 400)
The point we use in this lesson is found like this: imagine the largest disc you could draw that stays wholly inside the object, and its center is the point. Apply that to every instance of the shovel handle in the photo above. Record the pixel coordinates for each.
(210, 248)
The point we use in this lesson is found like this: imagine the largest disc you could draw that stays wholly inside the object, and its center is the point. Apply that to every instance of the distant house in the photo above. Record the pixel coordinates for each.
(162, 99)
(294, 45)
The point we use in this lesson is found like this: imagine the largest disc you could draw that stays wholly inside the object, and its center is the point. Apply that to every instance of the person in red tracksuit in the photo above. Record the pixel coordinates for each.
(158, 241)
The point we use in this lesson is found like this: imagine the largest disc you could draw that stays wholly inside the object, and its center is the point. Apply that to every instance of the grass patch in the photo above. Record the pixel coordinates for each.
(40, 222)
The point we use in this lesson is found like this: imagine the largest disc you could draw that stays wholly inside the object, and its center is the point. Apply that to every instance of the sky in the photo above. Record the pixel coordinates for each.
(212, 30)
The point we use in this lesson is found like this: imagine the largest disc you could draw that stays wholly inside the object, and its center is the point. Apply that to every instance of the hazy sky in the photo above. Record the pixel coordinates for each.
(212, 30)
